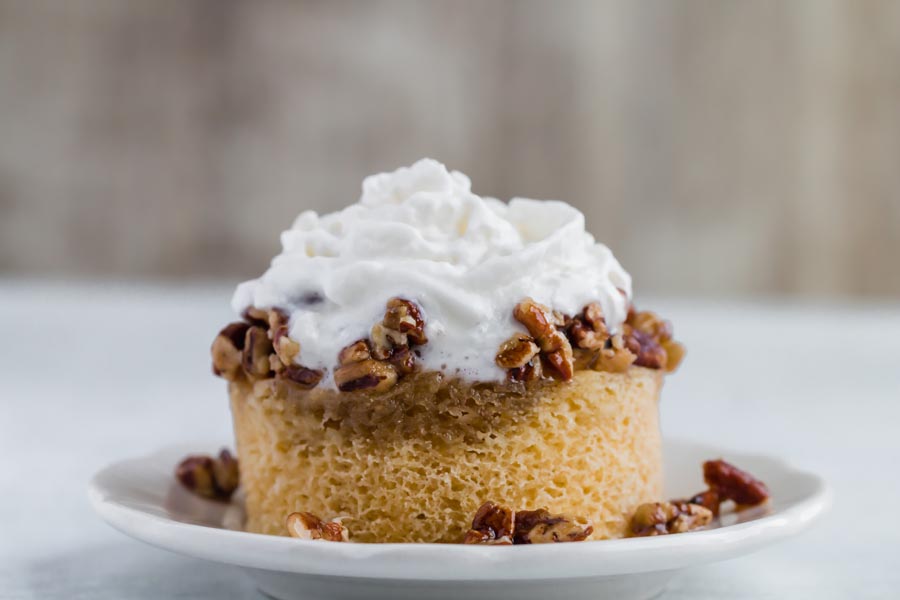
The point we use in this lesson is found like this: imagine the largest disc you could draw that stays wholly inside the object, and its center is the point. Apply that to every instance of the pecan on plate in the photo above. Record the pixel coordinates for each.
(307, 526)
(541, 527)
(661, 518)
(708, 499)
(732, 483)
(492, 524)
(499, 524)
(208, 477)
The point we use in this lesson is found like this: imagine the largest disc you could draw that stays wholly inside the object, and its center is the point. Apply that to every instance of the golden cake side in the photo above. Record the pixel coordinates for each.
(590, 447)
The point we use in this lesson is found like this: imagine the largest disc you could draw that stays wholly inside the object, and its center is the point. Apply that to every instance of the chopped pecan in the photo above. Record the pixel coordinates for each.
(227, 350)
(403, 360)
(500, 524)
(307, 526)
(385, 340)
(492, 524)
(405, 316)
(675, 352)
(358, 351)
(226, 473)
(649, 353)
(473, 536)
(588, 330)
(529, 372)
(539, 321)
(554, 345)
(561, 361)
(367, 374)
(708, 499)
(541, 527)
(661, 518)
(276, 318)
(208, 477)
(377, 362)
(256, 316)
(302, 376)
(732, 483)
(616, 357)
(257, 348)
(516, 352)
(650, 324)
(285, 348)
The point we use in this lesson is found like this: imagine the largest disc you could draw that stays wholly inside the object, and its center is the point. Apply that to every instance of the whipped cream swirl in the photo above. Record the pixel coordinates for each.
(421, 234)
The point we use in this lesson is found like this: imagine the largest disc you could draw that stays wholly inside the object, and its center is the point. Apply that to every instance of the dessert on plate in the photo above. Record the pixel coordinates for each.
(426, 355)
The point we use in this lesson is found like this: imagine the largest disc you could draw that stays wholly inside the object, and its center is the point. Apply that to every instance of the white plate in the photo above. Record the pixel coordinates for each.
(140, 498)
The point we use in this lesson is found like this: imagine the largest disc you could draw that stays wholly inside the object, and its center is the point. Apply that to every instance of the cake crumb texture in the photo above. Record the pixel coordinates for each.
(588, 447)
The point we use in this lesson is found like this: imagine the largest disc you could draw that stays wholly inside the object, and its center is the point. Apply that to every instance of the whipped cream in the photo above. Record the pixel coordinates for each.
(421, 234)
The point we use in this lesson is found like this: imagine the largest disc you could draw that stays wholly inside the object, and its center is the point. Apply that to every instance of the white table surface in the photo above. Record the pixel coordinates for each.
(93, 373)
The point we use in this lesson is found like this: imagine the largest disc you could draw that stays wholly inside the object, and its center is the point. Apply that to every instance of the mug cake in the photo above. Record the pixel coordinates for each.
(426, 352)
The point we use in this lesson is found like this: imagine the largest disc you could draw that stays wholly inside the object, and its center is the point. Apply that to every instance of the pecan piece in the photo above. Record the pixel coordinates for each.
(492, 524)
(649, 353)
(358, 351)
(367, 374)
(541, 527)
(276, 319)
(555, 347)
(385, 340)
(539, 321)
(734, 484)
(285, 348)
(227, 350)
(403, 360)
(588, 330)
(307, 526)
(516, 352)
(561, 361)
(256, 316)
(302, 376)
(708, 499)
(473, 536)
(675, 352)
(529, 372)
(208, 477)
(616, 357)
(661, 518)
(405, 316)
(651, 324)
(257, 348)
(226, 473)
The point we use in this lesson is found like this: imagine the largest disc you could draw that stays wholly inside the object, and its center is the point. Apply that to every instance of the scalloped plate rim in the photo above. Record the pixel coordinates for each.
(450, 562)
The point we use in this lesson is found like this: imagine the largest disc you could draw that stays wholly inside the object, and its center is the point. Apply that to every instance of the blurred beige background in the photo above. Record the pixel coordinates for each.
(718, 147)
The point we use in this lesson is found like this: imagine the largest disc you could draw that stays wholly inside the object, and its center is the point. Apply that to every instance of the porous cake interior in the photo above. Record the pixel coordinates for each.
(413, 464)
